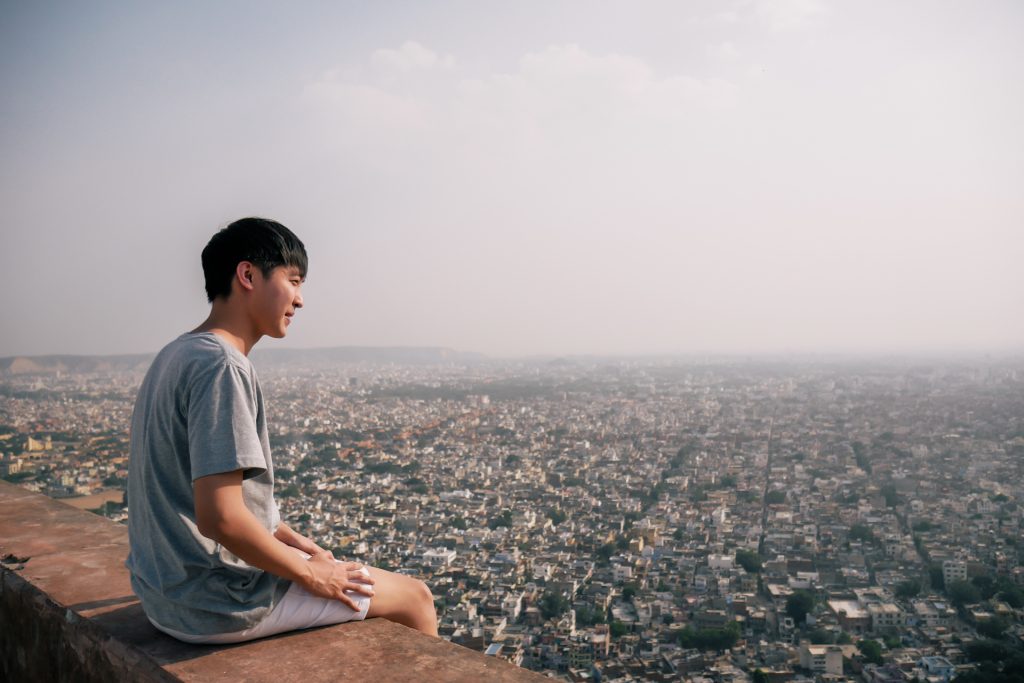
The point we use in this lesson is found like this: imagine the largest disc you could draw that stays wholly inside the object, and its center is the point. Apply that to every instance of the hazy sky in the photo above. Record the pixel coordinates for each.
(522, 177)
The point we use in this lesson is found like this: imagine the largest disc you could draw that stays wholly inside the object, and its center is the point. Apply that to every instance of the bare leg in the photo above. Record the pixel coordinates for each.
(402, 599)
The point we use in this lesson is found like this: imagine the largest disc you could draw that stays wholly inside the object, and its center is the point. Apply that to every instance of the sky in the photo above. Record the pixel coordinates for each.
(523, 178)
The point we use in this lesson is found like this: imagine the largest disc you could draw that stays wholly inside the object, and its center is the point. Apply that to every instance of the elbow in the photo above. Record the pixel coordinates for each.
(213, 525)
(208, 528)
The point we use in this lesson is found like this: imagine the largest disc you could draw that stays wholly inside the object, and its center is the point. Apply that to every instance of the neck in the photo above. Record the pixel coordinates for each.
(225, 322)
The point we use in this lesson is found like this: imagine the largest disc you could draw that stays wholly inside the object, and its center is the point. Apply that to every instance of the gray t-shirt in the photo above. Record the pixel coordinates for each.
(199, 412)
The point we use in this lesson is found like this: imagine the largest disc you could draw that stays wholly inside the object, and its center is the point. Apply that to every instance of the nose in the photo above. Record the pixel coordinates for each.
(297, 301)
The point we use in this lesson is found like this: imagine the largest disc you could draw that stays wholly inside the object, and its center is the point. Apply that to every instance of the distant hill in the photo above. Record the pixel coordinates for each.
(45, 365)
(402, 355)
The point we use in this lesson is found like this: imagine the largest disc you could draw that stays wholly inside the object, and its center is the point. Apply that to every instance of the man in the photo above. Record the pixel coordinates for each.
(210, 558)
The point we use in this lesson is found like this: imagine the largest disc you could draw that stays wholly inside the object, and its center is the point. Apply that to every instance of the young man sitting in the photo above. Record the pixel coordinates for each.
(210, 558)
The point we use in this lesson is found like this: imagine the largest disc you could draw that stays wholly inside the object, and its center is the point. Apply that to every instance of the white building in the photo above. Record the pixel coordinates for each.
(721, 562)
(954, 570)
(886, 617)
(826, 659)
(439, 557)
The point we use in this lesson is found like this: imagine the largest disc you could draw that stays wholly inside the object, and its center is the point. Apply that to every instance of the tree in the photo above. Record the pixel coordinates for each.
(860, 532)
(749, 560)
(710, 638)
(553, 605)
(588, 617)
(936, 577)
(775, 497)
(892, 498)
(985, 585)
(861, 456)
(993, 628)
(799, 605)
(503, 519)
(629, 591)
(759, 676)
(872, 651)
(585, 616)
(962, 593)
(603, 554)
(908, 589)
(1012, 596)
(987, 651)
(557, 516)
(820, 636)
(681, 456)
(618, 629)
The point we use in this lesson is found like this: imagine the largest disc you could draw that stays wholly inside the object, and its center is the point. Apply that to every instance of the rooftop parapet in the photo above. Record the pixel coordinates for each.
(67, 613)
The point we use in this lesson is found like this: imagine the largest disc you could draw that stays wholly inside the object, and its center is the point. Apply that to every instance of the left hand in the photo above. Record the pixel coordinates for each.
(290, 537)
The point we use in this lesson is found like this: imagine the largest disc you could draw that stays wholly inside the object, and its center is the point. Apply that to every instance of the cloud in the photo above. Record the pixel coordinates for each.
(725, 51)
(786, 15)
(411, 56)
(554, 96)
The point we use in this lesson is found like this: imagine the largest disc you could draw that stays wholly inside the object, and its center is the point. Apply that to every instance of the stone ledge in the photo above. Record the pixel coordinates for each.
(67, 613)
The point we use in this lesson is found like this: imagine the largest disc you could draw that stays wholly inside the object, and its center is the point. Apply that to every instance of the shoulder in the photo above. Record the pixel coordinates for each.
(193, 356)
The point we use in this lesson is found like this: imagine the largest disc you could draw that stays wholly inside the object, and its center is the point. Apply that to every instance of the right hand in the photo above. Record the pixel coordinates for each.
(331, 579)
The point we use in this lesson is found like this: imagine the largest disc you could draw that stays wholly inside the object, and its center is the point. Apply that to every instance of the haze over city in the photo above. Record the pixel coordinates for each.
(523, 178)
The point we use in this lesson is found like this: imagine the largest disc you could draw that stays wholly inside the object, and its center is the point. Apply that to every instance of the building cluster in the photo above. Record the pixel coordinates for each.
(637, 520)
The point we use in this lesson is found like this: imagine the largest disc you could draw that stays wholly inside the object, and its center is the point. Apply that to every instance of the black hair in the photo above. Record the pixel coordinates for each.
(265, 243)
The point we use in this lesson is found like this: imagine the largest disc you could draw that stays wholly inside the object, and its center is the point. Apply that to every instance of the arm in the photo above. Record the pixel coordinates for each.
(294, 539)
(221, 515)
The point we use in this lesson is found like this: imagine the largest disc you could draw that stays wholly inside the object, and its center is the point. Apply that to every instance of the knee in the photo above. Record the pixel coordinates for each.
(425, 599)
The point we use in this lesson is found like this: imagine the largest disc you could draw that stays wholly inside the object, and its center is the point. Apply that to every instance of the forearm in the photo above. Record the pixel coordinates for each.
(242, 534)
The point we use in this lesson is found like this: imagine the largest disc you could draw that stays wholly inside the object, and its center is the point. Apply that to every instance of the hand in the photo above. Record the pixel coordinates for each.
(331, 579)
(290, 537)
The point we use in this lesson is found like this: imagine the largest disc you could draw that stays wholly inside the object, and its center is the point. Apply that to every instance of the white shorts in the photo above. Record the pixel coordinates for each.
(297, 609)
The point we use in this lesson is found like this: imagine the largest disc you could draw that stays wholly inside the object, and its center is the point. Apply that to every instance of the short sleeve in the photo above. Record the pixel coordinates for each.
(222, 429)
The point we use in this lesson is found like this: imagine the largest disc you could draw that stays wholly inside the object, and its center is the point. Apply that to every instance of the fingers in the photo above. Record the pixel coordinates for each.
(360, 576)
(349, 602)
(345, 581)
(350, 587)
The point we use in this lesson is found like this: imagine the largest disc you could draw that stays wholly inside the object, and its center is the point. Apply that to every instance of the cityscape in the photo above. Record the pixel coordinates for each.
(702, 519)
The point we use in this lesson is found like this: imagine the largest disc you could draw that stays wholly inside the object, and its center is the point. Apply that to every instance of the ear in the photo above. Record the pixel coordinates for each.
(244, 273)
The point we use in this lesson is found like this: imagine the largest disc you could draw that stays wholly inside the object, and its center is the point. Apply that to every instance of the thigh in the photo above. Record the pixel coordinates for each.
(300, 609)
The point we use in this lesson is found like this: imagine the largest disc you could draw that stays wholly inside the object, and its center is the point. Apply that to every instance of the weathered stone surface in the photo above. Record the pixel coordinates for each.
(67, 613)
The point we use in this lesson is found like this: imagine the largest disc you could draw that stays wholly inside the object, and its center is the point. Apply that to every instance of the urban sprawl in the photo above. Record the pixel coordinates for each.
(628, 520)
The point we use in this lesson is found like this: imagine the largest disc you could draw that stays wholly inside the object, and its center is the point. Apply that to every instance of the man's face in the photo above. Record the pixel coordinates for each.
(275, 299)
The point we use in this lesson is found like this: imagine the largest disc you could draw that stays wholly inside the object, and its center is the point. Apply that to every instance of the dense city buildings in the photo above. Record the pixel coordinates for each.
(628, 520)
